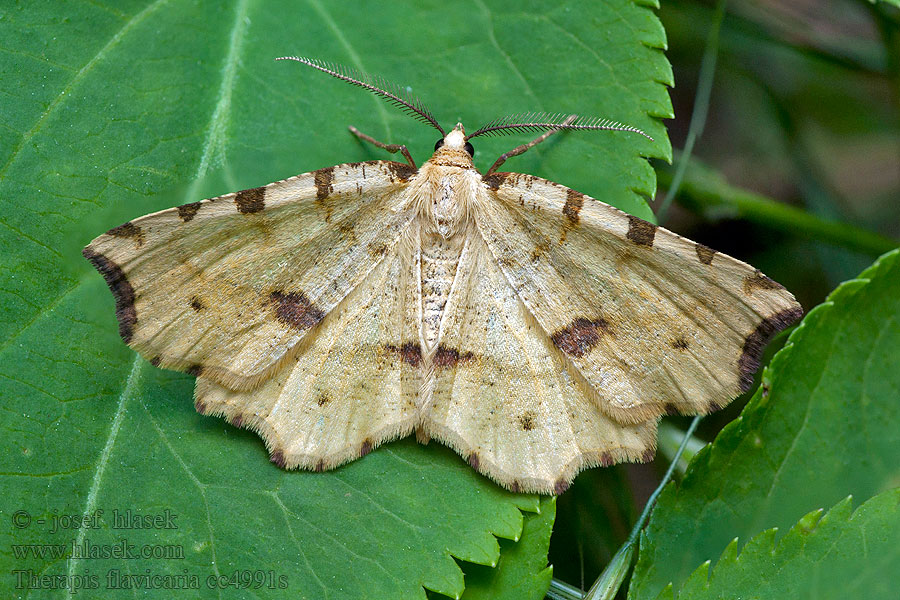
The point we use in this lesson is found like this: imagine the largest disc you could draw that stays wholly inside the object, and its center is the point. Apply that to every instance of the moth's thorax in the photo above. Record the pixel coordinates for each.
(445, 195)
(451, 157)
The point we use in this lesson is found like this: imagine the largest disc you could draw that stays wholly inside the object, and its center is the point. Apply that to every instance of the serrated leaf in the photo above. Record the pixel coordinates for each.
(522, 571)
(823, 425)
(118, 109)
(835, 556)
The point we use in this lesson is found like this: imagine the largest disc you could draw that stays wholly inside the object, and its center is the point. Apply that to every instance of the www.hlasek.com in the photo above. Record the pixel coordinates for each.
(85, 549)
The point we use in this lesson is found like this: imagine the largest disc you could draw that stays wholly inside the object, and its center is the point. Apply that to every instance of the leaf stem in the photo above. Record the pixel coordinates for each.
(707, 193)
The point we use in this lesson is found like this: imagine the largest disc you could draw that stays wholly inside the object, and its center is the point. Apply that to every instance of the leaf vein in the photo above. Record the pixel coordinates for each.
(102, 461)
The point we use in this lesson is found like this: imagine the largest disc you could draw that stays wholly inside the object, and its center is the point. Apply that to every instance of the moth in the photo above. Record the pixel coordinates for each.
(535, 330)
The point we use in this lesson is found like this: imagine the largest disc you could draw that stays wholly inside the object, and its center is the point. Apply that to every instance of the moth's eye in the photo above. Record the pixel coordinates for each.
(470, 149)
(438, 144)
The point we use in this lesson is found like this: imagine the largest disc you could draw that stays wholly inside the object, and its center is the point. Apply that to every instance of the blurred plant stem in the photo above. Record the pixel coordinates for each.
(701, 108)
(706, 192)
(669, 438)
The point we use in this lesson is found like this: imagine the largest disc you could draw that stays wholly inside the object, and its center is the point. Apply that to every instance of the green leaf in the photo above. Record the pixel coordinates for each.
(837, 556)
(823, 425)
(522, 571)
(118, 109)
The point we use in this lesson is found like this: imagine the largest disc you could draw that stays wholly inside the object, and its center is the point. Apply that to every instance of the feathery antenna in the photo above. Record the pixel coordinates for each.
(540, 121)
(379, 86)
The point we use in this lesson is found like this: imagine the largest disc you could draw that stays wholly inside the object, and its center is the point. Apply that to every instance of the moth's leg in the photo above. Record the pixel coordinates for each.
(520, 149)
(392, 148)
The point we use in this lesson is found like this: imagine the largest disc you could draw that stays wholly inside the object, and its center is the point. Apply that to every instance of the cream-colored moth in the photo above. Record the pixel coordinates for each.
(535, 330)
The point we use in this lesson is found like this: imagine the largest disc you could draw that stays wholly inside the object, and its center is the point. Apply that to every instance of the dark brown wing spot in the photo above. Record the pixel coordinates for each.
(128, 230)
(713, 406)
(671, 408)
(574, 202)
(155, 361)
(560, 486)
(238, 421)
(539, 249)
(295, 309)
(515, 486)
(401, 171)
(527, 421)
(748, 363)
(278, 458)
(251, 201)
(509, 262)
(324, 399)
(758, 281)
(474, 460)
(680, 344)
(449, 357)
(188, 211)
(376, 249)
(579, 337)
(348, 231)
(197, 303)
(409, 352)
(121, 289)
(324, 180)
(195, 370)
(648, 455)
(494, 180)
(640, 231)
(366, 447)
(320, 466)
(704, 253)
(606, 459)
(200, 406)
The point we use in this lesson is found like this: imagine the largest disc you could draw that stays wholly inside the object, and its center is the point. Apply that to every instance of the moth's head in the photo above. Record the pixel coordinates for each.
(455, 146)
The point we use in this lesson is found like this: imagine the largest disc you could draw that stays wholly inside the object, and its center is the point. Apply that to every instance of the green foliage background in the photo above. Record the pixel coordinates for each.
(118, 109)
(111, 110)
(822, 425)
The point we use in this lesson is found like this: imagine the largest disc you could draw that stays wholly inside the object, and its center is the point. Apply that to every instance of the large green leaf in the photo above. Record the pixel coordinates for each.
(112, 110)
(836, 556)
(823, 425)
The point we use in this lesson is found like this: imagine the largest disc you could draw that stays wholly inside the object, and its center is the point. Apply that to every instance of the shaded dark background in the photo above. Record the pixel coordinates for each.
(804, 112)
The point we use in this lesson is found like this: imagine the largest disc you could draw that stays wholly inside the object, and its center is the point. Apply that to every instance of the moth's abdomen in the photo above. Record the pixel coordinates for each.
(440, 257)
